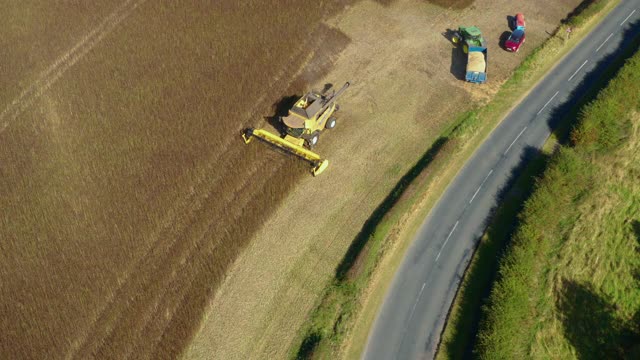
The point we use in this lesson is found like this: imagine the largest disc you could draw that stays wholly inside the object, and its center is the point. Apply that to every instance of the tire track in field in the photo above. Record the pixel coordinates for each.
(108, 318)
(152, 287)
(51, 75)
(184, 284)
(163, 286)
(169, 231)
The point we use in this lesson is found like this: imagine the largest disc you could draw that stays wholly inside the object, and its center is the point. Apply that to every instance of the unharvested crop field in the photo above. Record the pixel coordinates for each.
(126, 192)
(125, 189)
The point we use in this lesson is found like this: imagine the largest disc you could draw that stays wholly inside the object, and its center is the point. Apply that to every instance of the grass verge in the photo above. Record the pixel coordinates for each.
(350, 298)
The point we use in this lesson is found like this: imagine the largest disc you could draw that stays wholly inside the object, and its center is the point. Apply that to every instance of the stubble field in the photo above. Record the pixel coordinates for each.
(126, 192)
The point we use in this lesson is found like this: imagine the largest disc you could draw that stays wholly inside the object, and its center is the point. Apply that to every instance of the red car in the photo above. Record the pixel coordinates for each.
(515, 40)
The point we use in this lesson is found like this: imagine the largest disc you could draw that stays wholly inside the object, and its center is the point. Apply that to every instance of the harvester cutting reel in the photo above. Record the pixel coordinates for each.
(318, 164)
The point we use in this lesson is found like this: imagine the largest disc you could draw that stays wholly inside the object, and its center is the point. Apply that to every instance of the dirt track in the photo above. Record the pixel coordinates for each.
(126, 191)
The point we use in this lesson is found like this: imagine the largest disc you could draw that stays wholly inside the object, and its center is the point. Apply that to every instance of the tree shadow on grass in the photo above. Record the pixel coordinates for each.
(591, 324)
(370, 226)
(308, 346)
(635, 227)
(350, 266)
(577, 10)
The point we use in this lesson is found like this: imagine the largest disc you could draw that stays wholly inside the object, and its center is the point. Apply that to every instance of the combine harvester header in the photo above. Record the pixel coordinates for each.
(308, 117)
(316, 161)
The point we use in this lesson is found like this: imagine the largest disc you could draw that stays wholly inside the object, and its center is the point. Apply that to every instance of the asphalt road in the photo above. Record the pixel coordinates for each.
(410, 321)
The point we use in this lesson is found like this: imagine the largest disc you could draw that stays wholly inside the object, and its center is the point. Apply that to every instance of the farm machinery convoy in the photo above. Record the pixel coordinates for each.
(313, 112)
(308, 117)
(474, 45)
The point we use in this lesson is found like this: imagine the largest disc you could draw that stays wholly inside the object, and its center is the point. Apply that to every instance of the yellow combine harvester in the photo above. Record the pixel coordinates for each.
(307, 118)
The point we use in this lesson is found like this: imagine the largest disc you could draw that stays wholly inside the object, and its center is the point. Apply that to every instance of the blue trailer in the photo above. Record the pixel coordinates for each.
(477, 65)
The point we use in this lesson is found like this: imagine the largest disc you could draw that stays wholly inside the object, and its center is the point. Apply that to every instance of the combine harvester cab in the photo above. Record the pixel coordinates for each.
(308, 117)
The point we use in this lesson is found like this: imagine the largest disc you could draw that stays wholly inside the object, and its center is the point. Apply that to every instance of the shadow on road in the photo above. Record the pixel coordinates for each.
(596, 79)
(500, 225)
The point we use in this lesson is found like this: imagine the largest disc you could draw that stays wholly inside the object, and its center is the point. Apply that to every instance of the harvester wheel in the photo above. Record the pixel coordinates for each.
(313, 139)
(331, 123)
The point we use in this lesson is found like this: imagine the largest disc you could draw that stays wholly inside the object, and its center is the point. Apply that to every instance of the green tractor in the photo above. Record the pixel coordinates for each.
(469, 36)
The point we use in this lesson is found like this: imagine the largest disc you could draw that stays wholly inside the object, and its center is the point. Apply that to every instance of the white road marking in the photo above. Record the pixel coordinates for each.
(627, 18)
(483, 181)
(416, 302)
(545, 105)
(514, 141)
(605, 40)
(581, 66)
(445, 242)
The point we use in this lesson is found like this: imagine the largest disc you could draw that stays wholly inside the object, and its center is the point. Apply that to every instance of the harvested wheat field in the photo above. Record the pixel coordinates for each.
(136, 223)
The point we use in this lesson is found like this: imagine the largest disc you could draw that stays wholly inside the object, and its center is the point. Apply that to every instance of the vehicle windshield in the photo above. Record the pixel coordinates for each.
(296, 133)
(516, 36)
